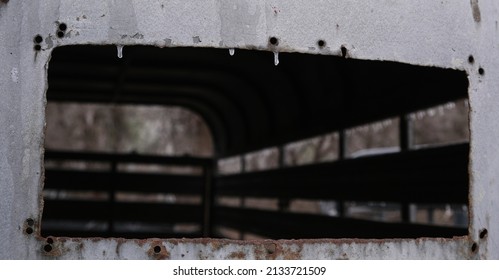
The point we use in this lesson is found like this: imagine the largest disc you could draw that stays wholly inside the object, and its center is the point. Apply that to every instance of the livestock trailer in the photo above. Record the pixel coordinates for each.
(261, 74)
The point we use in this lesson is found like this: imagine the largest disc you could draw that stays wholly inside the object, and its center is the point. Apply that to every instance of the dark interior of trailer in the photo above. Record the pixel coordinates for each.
(250, 105)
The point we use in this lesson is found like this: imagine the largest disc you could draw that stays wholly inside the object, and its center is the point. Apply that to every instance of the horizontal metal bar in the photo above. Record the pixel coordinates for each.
(127, 158)
(136, 212)
(135, 182)
(119, 234)
(279, 225)
(436, 175)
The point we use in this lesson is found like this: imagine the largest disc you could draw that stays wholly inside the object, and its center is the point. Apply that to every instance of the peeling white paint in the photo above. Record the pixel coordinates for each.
(14, 74)
(457, 63)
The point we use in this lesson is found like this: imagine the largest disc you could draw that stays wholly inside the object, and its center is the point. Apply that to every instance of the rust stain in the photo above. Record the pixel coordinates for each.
(222, 242)
(216, 245)
(271, 250)
(263, 249)
(477, 16)
(259, 253)
(51, 247)
(237, 256)
(158, 251)
(271, 247)
(291, 255)
(118, 246)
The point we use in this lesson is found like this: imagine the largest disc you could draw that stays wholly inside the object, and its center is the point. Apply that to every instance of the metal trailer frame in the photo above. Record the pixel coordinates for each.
(450, 34)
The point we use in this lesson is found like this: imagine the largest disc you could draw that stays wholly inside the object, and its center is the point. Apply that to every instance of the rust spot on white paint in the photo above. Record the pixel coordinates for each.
(477, 16)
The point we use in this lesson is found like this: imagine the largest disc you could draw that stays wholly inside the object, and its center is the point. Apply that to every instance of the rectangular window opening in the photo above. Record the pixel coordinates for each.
(193, 142)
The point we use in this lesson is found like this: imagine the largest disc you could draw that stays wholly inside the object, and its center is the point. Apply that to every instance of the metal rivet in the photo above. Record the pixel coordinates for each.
(270, 247)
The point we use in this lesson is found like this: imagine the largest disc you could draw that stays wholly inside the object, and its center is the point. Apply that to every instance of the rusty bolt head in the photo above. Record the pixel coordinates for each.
(158, 251)
(270, 247)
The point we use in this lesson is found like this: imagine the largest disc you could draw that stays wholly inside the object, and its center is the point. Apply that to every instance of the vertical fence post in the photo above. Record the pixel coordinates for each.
(340, 204)
(405, 141)
(208, 199)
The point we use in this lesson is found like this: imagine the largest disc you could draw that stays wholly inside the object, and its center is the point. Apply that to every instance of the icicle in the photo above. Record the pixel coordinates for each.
(120, 51)
(276, 58)
(231, 52)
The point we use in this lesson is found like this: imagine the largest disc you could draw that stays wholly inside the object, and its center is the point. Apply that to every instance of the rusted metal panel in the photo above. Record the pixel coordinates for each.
(427, 32)
(96, 248)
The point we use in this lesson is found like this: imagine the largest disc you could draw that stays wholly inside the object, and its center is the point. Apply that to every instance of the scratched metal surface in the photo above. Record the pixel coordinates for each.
(425, 32)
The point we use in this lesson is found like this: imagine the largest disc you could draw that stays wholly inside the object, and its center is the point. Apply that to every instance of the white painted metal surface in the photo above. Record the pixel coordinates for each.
(424, 32)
